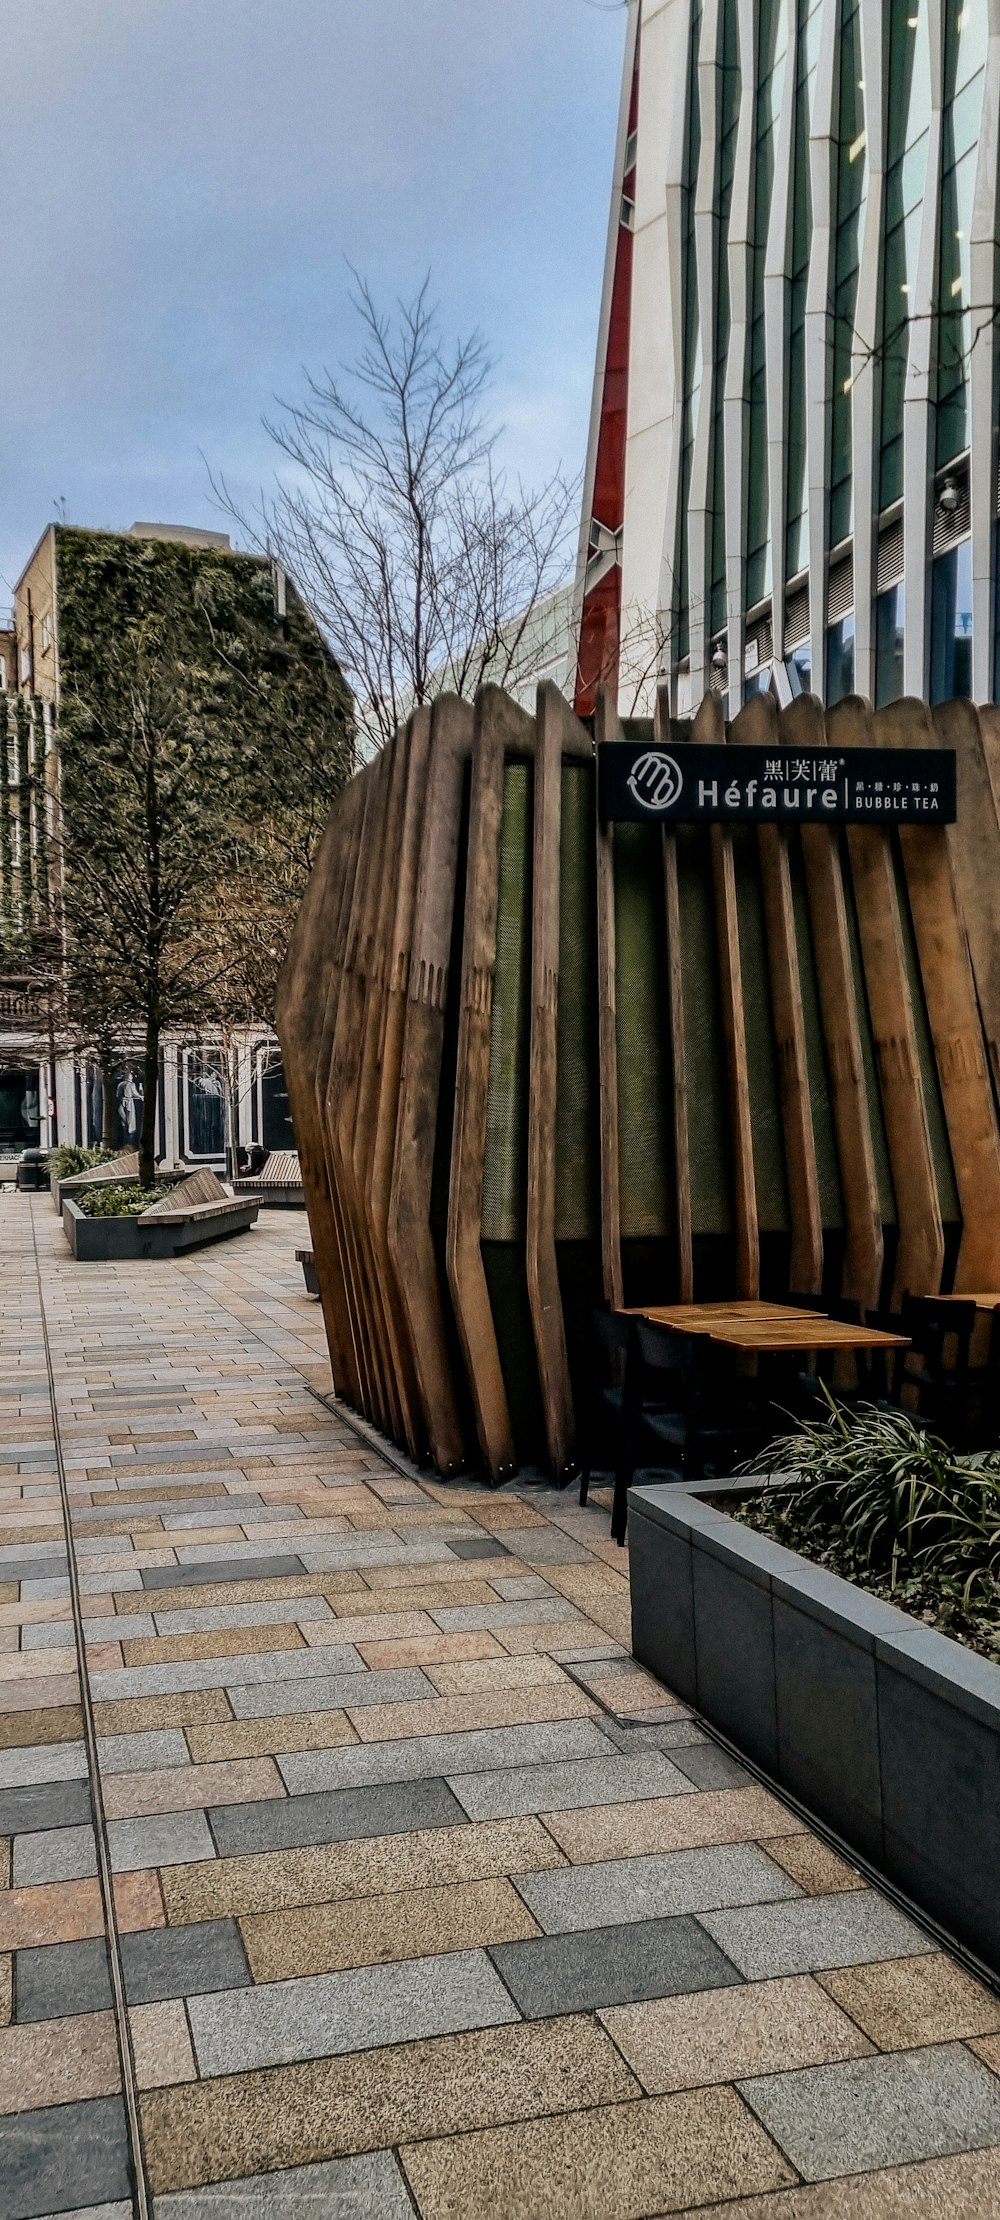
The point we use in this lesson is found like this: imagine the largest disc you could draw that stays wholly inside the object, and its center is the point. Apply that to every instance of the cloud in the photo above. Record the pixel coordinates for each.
(183, 181)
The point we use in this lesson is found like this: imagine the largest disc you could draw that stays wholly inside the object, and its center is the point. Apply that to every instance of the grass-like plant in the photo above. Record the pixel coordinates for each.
(870, 1493)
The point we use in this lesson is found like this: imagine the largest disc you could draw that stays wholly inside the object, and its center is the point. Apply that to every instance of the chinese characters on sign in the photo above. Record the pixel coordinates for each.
(691, 784)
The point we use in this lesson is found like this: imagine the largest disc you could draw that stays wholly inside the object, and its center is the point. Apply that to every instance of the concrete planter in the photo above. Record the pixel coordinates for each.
(887, 1730)
(114, 1240)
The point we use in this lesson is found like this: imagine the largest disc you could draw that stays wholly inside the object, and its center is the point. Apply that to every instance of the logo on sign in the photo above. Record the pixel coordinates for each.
(655, 780)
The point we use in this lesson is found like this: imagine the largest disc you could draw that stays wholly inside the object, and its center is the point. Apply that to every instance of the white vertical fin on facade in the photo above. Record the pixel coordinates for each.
(779, 246)
(737, 369)
(865, 390)
(822, 174)
(674, 58)
(983, 370)
(706, 229)
(918, 427)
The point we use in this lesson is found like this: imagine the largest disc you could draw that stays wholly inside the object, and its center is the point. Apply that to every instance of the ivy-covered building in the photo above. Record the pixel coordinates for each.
(214, 609)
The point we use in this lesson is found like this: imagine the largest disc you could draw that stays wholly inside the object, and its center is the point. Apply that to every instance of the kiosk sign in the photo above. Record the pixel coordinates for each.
(691, 784)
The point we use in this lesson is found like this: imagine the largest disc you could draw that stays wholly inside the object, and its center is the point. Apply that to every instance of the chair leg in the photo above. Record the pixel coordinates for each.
(624, 1476)
(585, 1471)
(625, 1456)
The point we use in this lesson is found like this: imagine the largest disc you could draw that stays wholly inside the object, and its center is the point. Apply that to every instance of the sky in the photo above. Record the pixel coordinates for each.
(183, 183)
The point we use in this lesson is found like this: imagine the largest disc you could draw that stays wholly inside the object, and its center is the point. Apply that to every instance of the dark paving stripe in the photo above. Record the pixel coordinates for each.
(173, 1507)
(207, 1572)
(58, 1979)
(334, 1815)
(476, 1546)
(709, 1767)
(26, 1811)
(52, 1567)
(63, 2158)
(611, 1965)
(184, 1961)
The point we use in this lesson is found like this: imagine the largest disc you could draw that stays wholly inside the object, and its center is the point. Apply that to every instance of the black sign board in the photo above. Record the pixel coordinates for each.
(692, 784)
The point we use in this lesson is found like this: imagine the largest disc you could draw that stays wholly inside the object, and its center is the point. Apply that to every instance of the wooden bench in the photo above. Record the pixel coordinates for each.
(278, 1182)
(197, 1210)
(200, 1209)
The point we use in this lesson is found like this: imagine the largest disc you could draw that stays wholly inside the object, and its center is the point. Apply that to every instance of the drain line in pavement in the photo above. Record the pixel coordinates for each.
(104, 1870)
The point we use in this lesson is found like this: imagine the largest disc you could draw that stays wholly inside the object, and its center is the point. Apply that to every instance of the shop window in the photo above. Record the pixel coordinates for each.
(890, 610)
(798, 665)
(951, 624)
(205, 1103)
(840, 660)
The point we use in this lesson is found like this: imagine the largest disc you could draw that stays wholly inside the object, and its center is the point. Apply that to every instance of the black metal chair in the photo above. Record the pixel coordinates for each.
(675, 1386)
(984, 1394)
(611, 1334)
(935, 1368)
(809, 1383)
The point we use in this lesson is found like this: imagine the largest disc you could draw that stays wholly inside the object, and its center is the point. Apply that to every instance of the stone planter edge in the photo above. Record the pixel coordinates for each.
(887, 1730)
(116, 1240)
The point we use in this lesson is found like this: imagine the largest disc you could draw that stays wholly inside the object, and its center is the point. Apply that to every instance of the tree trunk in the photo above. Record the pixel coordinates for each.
(231, 1083)
(109, 1123)
(150, 1084)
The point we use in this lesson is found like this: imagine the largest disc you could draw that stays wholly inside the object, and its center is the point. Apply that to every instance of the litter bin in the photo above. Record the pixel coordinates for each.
(33, 1169)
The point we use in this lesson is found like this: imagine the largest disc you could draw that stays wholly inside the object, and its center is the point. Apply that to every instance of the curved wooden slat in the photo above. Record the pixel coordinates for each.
(386, 1108)
(607, 726)
(950, 995)
(358, 1135)
(974, 848)
(559, 733)
(340, 1092)
(802, 726)
(300, 992)
(500, 725)
(675, 1019)
(920, 1253)
(709, 727)
(410, 1237)
(757, 724)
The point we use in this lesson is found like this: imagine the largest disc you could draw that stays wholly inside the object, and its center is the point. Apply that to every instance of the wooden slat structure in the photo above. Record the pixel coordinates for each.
(535, 1064)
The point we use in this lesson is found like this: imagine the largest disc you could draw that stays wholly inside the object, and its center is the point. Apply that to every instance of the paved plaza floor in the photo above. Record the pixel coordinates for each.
(425, 1897)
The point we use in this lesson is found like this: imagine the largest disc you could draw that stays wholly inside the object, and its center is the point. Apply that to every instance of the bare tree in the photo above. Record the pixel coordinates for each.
(421, 561)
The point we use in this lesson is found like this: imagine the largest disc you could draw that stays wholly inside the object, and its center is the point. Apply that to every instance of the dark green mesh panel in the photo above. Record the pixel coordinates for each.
(645, 1116)
(507, 1285)
(767, 1129)
(824, 1136)
(505, 1181)
(709, 1139)
(944, 1169)
(880, 1146)
(578, 1189)
(505, 1177)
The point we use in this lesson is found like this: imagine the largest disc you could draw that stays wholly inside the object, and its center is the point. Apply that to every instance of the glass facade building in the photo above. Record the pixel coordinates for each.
(809, 493)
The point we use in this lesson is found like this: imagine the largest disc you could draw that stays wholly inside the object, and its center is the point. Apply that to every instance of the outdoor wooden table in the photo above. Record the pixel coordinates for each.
(982, 1302)
(761, 1329)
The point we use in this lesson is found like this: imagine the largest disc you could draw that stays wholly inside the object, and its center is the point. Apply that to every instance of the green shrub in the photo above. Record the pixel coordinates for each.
(67, 1162)
(119, 1199)
(876, 1498)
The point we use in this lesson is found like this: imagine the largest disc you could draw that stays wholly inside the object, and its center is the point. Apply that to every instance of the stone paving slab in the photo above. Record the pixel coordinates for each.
(430, 1900)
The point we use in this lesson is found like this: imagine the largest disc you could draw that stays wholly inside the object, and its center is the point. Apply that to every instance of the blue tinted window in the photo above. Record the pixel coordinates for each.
(840, 660)
(890, 610)
(951, 625)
